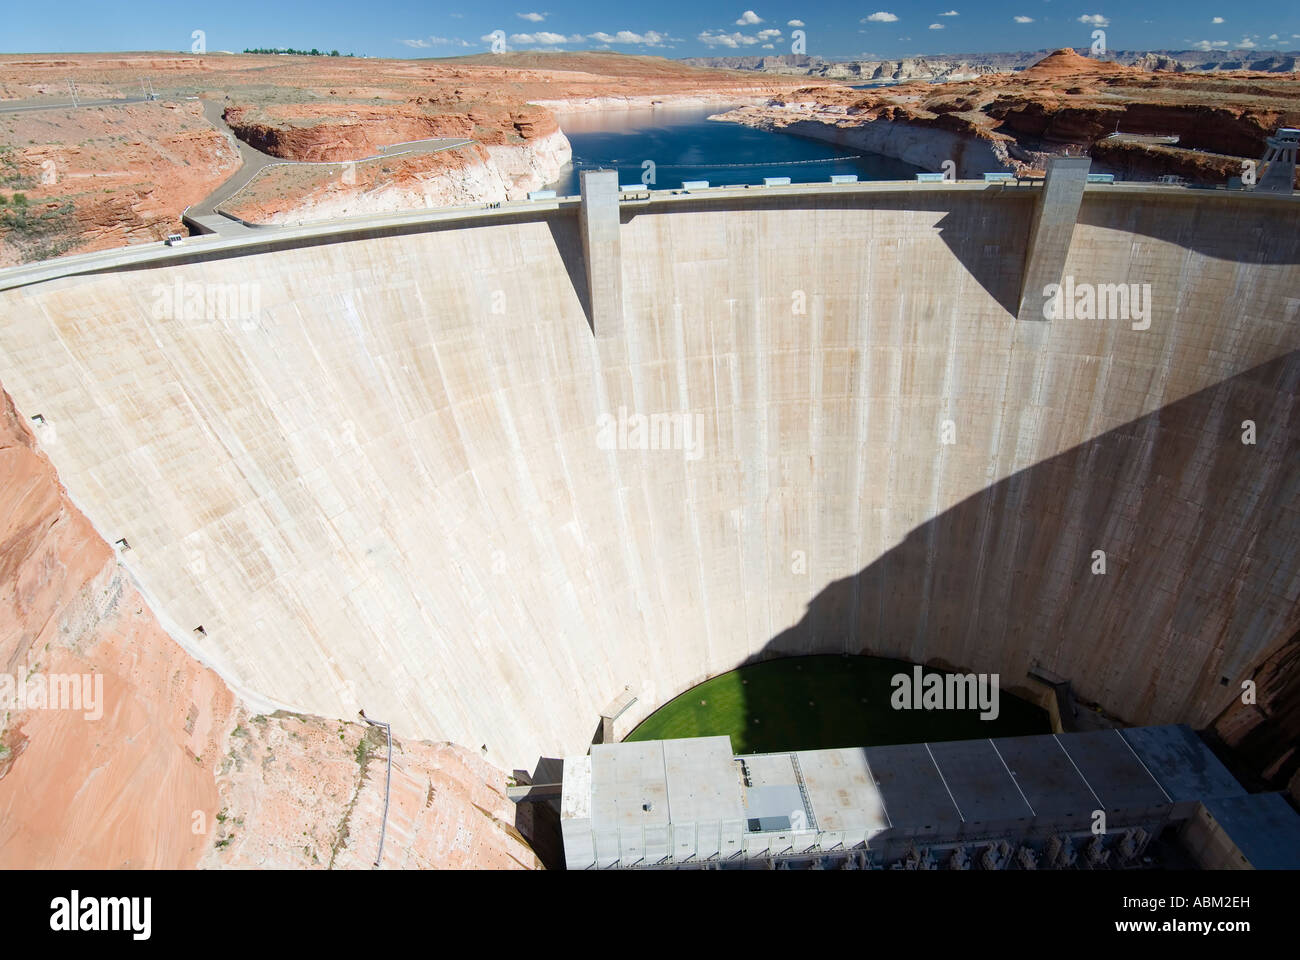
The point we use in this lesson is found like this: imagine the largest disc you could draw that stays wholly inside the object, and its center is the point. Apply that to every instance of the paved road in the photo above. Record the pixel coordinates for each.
(253, 162)
(205, 212)
(27, 107)
(1146, 138)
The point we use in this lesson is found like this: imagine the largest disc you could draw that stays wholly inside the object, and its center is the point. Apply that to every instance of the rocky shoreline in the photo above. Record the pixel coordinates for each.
(1133, 123)
(920, 145)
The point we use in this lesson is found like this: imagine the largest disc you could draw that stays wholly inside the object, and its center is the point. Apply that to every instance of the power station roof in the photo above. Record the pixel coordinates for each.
(911, 787)
(1049, 780)
(981, 787)
(1263, 826)
(646, 784)
(1179, 760)
(641, 793)
(1114, 772)
(841, 790)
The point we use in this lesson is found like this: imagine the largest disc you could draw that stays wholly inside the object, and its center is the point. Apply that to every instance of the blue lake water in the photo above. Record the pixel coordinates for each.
(684, 144)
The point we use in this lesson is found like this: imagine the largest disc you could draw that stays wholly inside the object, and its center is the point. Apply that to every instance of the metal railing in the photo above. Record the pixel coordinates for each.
(388, 782)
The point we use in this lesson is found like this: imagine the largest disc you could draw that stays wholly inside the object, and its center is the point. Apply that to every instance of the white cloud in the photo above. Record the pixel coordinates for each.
(439, 42)
(544, 37)
(950, 13)
(651, 38)
(1023, 19)
(880, 16)
(748, 18)
(730, 40)
(768, 46)
(936, 26)
(1095, 20)
(1209, 44)
(794, 23)
(1245, 43)
(534, 17)
(1272, 36)
(768, 34)
(1217, 20)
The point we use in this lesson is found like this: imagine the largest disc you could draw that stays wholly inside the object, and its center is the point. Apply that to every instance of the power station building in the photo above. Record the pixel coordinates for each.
(1083, 800)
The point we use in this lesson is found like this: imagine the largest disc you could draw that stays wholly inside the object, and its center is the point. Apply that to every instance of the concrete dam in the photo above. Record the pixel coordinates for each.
(484, 476)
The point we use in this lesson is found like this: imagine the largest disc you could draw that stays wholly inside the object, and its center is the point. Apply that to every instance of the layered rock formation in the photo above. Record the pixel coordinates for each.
(1264, 728)
(468, 173)
(966, 65)
(959, 66)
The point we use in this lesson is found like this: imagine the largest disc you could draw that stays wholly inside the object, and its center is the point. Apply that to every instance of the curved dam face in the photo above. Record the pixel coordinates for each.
(413, 481)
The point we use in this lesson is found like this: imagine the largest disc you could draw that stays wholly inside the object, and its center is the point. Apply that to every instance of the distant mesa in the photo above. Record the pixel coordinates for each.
(1067, 62)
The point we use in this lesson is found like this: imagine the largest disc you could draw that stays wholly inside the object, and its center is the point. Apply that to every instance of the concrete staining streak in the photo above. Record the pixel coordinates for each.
(388, 492)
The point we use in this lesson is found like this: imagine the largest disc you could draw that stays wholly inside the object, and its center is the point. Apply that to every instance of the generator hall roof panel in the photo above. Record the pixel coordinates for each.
(980, 783)
(1044, 773)
(1185, 767)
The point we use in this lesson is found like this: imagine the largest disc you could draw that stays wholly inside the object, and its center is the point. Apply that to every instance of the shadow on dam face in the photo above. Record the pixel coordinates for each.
(1197, 589)
(1134, 590)
(1156, 567)
(968, 582)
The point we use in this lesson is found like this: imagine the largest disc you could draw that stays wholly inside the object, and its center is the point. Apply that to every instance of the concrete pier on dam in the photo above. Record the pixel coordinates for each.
(406, 475)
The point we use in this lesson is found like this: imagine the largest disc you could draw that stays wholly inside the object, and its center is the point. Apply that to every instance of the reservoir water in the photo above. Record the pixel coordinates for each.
(683, 144)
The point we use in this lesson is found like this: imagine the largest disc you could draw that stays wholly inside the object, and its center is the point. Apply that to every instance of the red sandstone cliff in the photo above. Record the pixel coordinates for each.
(1266, 733)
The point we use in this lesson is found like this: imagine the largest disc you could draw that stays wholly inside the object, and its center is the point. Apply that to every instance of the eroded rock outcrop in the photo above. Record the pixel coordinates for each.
(1265, 732)
(71, 182)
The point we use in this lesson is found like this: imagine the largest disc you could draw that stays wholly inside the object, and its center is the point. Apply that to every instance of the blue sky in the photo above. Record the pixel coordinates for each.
(671, 28)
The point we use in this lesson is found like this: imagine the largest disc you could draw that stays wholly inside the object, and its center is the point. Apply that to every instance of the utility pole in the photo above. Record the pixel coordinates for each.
(73, 88)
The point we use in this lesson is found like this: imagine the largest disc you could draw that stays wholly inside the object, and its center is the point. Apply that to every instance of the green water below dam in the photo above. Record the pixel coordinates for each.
(822, 702)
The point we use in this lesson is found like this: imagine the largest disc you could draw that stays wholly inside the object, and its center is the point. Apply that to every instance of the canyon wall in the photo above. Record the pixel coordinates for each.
(394, 487)
(470, 174)
(926, 145)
